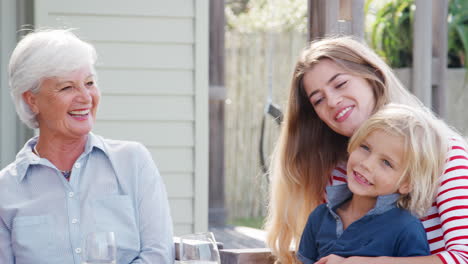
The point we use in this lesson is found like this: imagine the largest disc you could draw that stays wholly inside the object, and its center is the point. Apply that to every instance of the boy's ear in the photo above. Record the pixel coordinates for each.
(405, 188)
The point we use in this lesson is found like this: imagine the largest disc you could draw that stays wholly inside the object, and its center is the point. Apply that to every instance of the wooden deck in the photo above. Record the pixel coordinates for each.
(239, 237)
(240, 245)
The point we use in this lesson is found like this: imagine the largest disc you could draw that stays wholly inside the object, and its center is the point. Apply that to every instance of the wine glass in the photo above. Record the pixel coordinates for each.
(100, 248)
(200, 248)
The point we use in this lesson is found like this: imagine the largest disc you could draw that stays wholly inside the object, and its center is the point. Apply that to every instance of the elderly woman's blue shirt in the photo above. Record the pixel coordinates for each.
(114, 186)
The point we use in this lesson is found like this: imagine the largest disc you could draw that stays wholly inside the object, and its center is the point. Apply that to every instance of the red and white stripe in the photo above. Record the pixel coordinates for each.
(338, 175)
(446, 222)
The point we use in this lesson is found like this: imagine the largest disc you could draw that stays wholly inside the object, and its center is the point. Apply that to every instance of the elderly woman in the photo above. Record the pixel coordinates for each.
(67, 182)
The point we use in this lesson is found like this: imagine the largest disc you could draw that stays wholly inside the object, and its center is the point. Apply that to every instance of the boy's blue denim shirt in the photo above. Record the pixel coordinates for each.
(339, 194)
(385, 230)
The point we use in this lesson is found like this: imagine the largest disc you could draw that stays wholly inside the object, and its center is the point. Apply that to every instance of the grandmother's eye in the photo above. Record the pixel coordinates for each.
(66, 88)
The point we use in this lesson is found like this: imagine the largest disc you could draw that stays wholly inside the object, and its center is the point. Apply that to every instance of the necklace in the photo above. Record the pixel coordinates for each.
(65, 174)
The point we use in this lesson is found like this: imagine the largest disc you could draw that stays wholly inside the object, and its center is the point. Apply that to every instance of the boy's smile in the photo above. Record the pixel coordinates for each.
(376, 165)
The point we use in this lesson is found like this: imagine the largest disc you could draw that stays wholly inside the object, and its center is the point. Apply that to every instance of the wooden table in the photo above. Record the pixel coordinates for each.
(236, 256)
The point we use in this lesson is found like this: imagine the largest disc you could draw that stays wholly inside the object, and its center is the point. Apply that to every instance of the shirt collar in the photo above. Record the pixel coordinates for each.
(338, 194)
(26, 156)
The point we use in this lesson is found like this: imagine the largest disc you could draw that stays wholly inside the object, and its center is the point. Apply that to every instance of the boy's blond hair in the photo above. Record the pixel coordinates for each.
(425, 148)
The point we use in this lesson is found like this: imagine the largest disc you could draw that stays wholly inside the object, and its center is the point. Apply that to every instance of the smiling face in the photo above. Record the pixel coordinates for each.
(66, 106)
(341, 100)
(376, 165)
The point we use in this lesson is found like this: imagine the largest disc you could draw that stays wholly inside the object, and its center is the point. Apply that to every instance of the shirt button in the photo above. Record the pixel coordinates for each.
(77, 250)
(74, 221)
(77, 165)
(71, 194)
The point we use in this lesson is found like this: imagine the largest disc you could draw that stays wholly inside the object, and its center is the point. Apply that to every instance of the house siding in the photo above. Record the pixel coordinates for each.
(153, 76)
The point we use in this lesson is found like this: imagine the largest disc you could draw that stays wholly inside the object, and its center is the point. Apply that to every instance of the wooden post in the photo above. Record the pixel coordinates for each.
(246, 256)
(13, 14)
(7, 112)
(439, 52)
(217, 210)
(358, 17)
(422, 52)
(314, 20)
(335, 17)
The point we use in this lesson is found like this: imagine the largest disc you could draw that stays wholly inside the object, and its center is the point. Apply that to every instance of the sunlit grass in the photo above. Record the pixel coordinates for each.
(248, 222)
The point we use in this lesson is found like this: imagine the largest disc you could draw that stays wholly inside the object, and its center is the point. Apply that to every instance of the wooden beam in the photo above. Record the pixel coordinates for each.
(422, 52)
(358, 17)
(332, 9)
(201, 135)
(217, 210)
(316, 19)
(439, 52)
(335, 17)
(246, 256)
(8, 119)
(345, 10)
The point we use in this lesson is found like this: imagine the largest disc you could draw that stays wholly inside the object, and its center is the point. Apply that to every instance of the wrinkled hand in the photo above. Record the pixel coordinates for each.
(331, 259)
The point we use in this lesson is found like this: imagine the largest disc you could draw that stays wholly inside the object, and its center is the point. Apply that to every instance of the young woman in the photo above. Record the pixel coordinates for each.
(338, 83)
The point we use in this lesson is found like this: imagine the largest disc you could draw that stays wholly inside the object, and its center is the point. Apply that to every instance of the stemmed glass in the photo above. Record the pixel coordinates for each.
(100, 248)
(199, 248)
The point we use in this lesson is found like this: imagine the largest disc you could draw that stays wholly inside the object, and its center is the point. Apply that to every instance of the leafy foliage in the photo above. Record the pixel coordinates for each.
(391, 32)
(458, 33)
(266, 15)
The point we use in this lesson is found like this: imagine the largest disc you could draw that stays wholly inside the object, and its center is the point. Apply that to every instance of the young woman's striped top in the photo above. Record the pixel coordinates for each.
(446, 222)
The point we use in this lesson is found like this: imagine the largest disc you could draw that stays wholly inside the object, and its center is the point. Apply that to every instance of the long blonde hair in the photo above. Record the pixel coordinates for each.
(425, 147)
(307, 149)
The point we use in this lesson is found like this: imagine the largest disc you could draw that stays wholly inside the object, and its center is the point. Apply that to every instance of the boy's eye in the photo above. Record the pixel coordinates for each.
(364, 147)
(387, 163)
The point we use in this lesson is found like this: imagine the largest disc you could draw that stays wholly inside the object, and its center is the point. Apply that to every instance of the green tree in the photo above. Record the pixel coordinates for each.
(266, 15)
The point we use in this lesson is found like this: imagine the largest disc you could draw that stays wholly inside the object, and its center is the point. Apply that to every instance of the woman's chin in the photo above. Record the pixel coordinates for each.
(80, 130)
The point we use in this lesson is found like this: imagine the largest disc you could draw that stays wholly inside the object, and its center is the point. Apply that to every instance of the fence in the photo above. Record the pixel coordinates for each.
(247, 85)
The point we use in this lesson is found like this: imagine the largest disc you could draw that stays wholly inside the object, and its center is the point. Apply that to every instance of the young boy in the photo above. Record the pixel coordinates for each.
(392, 173)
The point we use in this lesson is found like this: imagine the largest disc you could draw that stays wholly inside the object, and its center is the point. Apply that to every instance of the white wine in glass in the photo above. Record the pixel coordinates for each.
(100, 248)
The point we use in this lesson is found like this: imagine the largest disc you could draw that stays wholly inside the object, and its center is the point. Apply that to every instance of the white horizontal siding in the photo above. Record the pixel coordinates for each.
(145, 56)
(146, 108)
(139, 29)
(157, 82)
(181, 184)
(151, 134)
(159, 8)
(184, 212)
(152, 74)
(182, 229)
(174, 160)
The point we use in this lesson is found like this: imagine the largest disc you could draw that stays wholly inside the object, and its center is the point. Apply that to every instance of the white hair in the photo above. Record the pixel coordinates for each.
(44, 54)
